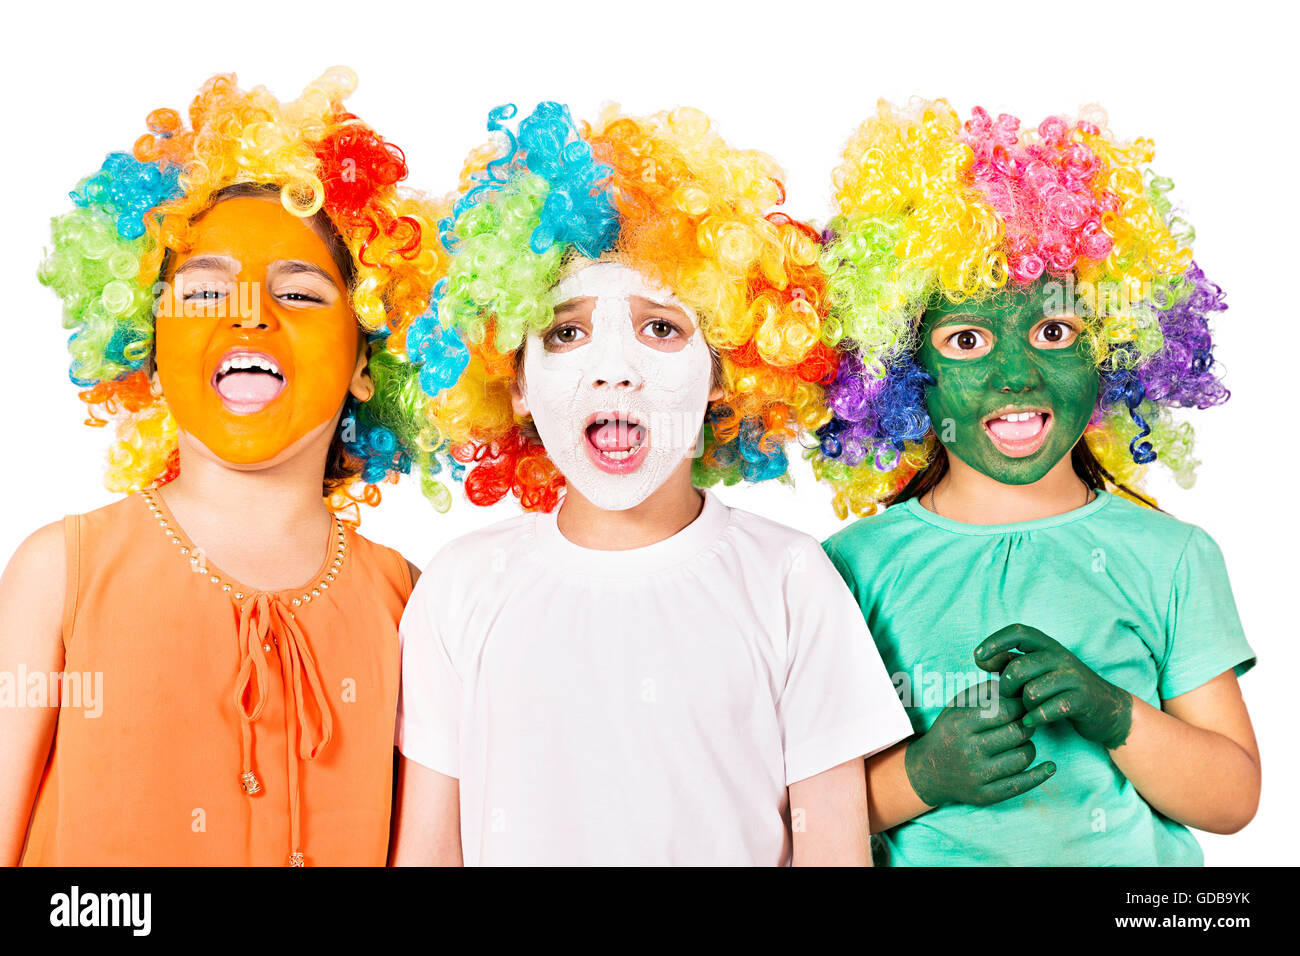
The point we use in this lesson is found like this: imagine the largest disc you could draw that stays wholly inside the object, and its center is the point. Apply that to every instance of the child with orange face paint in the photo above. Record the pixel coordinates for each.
(211, 664)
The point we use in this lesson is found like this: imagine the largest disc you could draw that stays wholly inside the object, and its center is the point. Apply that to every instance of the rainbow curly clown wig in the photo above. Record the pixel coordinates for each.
(931, 208)
(663, 195)
(326, 164)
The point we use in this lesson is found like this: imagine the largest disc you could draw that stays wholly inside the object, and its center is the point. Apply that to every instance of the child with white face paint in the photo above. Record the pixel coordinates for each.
(645, 675)
(618, 386)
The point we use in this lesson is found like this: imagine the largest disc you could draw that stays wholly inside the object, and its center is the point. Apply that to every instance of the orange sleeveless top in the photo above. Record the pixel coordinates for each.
(216, 725)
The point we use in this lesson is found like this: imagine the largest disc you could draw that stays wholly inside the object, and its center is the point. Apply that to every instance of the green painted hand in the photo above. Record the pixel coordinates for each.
(977, 752)
(1055, 685)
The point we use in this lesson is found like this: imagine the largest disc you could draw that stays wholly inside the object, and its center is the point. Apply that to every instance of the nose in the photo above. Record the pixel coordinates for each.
(613, 366)
(254, 308)
(631, 380)
(1018, 373)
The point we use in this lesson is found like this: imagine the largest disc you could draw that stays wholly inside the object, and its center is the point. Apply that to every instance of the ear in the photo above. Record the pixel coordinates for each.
(155, 383)
(716, 391)
(362, 388)
(518, 400)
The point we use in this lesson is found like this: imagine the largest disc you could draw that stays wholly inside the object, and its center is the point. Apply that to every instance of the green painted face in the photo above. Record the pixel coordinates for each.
(1015, 383)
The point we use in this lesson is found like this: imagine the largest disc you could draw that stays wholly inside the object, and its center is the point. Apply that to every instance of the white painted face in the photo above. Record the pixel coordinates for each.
(618, 386)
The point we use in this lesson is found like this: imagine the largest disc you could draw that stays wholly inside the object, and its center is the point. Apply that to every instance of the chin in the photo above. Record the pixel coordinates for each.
(239, 459)
(254, 456)
(1025, 479)
(613, 499)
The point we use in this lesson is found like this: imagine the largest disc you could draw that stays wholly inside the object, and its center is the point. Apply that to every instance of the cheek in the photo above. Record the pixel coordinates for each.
(930, 360)
(955, 385)
(325, 352)
(179, 347)
(682, 375)
(549, 385)
(1074, 382)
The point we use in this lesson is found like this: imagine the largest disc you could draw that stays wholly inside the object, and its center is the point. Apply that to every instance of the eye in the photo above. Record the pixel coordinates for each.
(967, 340)
(204, 295)
(301, 289)
(564, 335)
(962, 342)
(300, 297)
(660, 329)
(1055, 334)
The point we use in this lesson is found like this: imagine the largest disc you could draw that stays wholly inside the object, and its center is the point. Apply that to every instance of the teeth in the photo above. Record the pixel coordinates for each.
(618, 455)
(1018, 416)
(237, 363)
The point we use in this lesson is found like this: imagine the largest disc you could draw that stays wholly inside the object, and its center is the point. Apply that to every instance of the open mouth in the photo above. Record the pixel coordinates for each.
(616, 443)
(247, 381)
(1018, 432)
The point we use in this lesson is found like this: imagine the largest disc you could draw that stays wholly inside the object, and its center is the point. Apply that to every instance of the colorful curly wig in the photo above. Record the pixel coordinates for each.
(661, 194)
(109, 252)
(929, 207)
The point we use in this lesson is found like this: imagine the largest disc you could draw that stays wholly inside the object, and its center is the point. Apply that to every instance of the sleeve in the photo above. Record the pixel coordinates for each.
(838, 702)
(842, 568)
(428, 704)
(1203, 634)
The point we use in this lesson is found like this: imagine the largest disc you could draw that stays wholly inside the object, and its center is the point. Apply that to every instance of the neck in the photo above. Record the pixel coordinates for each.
(972, 497)
(673, 506)
(261, 527)
(284, 494)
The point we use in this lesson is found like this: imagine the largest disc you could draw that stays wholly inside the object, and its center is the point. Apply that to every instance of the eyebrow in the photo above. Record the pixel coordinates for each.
(298, 266)
(572, 305)
(965, 318)
(656, 304)
(220, 263)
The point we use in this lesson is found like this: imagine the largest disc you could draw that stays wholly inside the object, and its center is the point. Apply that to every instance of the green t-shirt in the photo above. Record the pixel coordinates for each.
(1140, 597)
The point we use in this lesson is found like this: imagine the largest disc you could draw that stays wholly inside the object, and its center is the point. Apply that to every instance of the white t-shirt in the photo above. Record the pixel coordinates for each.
(637, 707)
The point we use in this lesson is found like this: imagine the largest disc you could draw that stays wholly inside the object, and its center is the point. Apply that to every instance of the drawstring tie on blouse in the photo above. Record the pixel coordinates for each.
(264, 621)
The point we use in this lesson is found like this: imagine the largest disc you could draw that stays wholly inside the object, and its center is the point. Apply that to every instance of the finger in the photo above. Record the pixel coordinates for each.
(1009, 787)
(995, 664)
(1004, 737)
(994, 661)
(976, 696)
(1023, 669)
(1061, 707)
(1010, 763)
(1013, 637)
(1000, 710)
(1046, 686)
(982, 706)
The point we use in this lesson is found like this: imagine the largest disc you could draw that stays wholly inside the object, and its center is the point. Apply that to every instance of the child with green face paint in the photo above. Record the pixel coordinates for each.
(1014, 383)
(1027, 313)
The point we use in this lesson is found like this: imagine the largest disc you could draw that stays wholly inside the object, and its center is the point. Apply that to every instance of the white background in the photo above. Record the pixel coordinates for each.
(1214, 89)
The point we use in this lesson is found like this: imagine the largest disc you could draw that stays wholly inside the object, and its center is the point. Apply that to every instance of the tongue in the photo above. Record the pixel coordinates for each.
(1004, 430)
(247, 388)
(616, 436)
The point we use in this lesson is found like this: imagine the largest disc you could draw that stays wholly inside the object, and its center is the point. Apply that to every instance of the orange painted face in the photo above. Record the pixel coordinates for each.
(255, 341)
